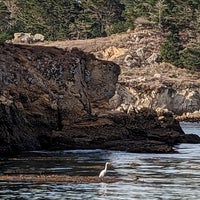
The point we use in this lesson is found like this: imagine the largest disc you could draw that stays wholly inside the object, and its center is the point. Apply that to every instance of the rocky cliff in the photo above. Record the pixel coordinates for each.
(45, 89)
(63, 98)
(144, 80)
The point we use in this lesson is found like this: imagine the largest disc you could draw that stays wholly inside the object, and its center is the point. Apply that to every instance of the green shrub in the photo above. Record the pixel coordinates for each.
(4, 36)
(190, 58)
(116, 28)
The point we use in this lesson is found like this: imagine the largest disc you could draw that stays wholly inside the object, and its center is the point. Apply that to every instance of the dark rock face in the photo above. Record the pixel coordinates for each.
(52, 99)
(15, 133)
(137, 132)
(45, 89)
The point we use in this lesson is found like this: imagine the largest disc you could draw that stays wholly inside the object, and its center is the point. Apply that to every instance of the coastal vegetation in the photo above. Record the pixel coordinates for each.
(83, 19)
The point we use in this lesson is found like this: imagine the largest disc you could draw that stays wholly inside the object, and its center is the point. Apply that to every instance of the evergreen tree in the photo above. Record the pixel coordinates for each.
(133, 9)
(180, 13)
(190, 58)
(61, 15)
(29, 16)
(4, 23)
(170, 50)
(101, 15)
(51, 18)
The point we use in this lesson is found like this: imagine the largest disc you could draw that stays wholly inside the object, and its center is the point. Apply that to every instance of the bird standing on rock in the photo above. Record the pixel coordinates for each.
(103, 172)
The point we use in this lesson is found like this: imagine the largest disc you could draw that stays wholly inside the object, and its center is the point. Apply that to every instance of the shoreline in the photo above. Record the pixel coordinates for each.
(135, 132)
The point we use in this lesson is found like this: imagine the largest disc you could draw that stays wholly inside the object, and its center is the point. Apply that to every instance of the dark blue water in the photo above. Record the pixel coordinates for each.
(162, 176)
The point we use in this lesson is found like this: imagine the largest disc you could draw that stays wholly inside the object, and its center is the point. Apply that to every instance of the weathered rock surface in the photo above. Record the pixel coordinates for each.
(52, 98)
(45, 89)
(191, 117)
(144, 80)
(137, 132)
(27, 38)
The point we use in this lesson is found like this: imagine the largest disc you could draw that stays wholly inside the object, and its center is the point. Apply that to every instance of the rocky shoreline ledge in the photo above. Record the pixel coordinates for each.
(189, 117)
(54, 99)
(142, 132)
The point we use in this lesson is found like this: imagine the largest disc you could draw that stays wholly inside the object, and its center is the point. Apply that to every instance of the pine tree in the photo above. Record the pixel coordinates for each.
(170, 50)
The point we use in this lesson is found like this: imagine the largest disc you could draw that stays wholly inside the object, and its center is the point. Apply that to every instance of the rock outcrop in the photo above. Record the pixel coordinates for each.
(55, 98)
(162, 95)
(137, 132)
(144, 80)
(45, 89)
(27, 38)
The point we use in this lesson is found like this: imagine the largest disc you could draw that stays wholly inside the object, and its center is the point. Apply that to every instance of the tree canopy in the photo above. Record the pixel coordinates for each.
(76, 19)
(81, 19)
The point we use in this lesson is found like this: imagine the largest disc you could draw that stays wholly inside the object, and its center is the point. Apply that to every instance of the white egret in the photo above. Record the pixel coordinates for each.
(103, 172)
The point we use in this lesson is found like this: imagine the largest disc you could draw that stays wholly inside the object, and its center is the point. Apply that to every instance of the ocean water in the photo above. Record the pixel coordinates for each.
(161, 176)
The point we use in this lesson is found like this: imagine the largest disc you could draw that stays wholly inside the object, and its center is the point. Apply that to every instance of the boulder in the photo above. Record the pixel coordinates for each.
(27, 38)
(38, 38)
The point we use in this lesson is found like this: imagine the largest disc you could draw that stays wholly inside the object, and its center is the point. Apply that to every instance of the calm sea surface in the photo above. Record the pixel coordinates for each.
(162, 176)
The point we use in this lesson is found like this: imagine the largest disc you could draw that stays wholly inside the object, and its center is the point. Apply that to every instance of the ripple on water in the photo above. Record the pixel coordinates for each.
(161, 176)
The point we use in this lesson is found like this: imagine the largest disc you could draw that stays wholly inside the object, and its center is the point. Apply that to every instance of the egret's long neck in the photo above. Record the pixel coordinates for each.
(106, 165)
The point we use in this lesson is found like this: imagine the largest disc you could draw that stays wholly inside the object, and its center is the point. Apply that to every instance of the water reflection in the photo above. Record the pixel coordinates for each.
(102, 189)
(161, 176)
